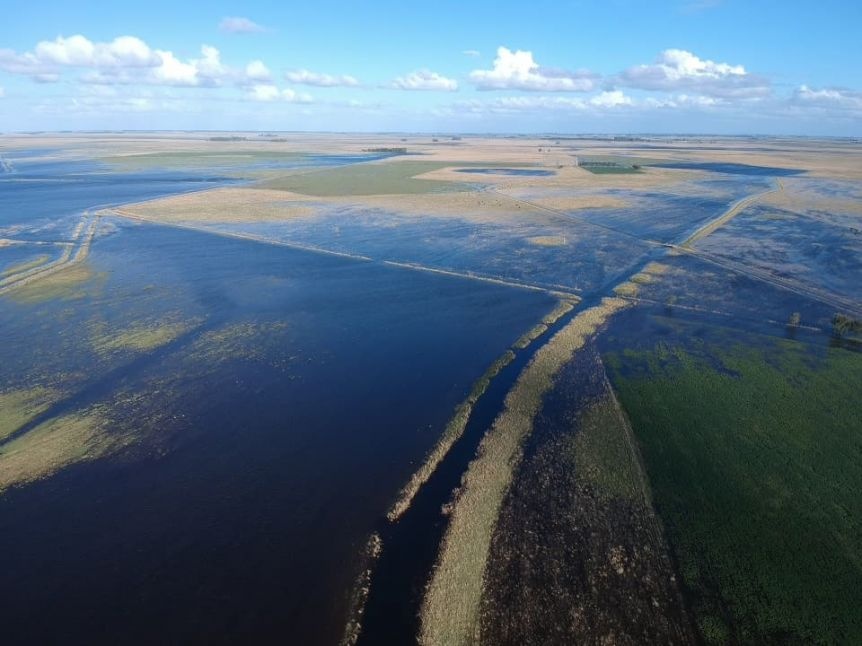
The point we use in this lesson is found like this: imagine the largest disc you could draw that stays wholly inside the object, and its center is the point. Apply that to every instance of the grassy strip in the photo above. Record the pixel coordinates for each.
(450, 610)
(27, 265)
(735, 209)
(453, 431)
(562, 308)
(455, 428)
(753, 454)
(361, 589)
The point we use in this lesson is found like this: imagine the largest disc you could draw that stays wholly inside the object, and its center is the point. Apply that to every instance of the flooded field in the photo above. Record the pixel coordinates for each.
(299, 391)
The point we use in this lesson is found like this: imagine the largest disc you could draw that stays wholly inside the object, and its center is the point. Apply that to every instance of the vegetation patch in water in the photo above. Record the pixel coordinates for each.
(68, 283)
(139, 338)
(53, 445)
(27, 265)
(753, 454)
(547, 241)
(19, 406)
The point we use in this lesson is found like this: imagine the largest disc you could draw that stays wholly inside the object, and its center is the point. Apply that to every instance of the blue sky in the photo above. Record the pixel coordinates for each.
(693, 66)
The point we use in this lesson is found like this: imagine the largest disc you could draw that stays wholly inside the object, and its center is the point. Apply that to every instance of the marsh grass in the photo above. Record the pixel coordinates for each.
(245, 341)
(69, 283)
(53, 445)
(361, 590)
(627, 289)
(450, 609)
(139, 338)
(25, 266)
(19, 406)
(547, 241)
(753, 454)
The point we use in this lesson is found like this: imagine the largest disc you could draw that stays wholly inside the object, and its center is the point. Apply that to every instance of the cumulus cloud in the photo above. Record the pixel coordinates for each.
(607, 101)
(828, 96)
(269, 92)
(679, 70)
(123, 61)
(305, 77)
(518, 71)
(239, 25)
(425, 80)
(257, 71)
(838, 102)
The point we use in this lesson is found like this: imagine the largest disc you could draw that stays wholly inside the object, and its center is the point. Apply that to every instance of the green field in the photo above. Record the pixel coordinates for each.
(611, 170)
(754, 455)
(389, 178)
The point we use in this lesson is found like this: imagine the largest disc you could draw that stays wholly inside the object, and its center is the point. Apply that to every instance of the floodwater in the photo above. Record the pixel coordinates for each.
(261, 443)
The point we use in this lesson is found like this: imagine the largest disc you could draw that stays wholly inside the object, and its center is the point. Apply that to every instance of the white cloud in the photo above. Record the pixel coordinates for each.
(837, 102)
(677, 69)
(239, 25)
(425, 80)
(471, 52)
(305, 77)
(257, 71)
(518, 71)
(78, 51)
(269, 92)
(2, 92)
(611, 99)
(603, 102)
(126, 60)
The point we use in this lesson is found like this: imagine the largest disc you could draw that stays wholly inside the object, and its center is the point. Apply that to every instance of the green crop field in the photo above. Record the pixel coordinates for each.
(754, 455)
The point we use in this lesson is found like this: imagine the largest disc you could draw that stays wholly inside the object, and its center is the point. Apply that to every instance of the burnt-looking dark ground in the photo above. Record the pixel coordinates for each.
(578, 555)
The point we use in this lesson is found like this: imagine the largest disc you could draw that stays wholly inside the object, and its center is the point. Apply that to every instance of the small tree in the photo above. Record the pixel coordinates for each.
(794, 320)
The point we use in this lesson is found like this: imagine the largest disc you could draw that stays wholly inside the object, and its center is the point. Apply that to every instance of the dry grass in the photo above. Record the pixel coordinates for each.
(627, 289)
(223, 205)
(560, 309)
(547, 241)
(451, 605)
